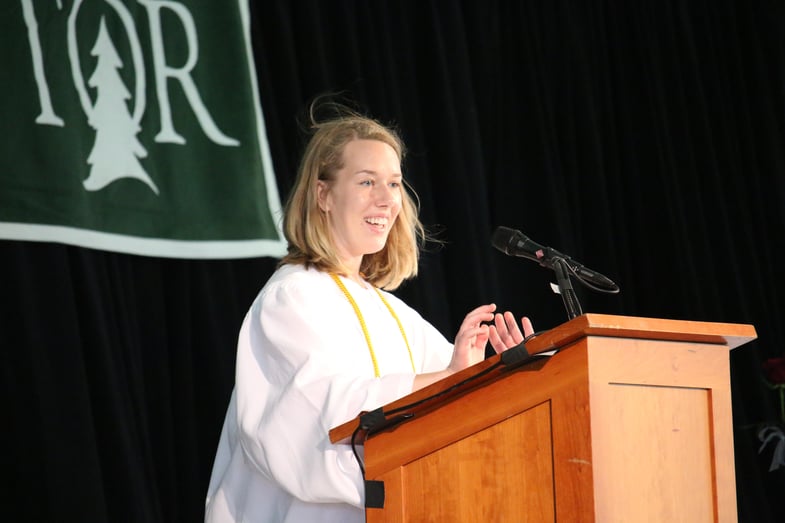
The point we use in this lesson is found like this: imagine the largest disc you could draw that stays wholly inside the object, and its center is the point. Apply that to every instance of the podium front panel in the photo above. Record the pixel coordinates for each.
(662, 434)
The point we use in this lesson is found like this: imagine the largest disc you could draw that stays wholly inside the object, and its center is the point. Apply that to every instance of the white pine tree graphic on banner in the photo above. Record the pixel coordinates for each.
(116, 149)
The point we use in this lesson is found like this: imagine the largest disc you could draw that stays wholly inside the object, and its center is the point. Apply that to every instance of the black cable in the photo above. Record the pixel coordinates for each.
(461, 383)
(445, 391)
(587, 283)
(354, 449)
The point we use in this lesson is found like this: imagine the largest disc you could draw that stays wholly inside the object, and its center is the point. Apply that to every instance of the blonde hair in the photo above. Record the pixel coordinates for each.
(305, 227)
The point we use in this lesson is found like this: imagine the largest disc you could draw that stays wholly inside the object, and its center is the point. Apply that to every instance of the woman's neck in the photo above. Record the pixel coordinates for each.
(353, 271)
(358, 278)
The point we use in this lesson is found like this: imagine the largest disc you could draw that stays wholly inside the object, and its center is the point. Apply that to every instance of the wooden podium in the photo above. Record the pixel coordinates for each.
(629, 421)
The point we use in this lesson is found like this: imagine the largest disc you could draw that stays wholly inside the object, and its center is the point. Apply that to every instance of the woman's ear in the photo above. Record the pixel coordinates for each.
(321, 195)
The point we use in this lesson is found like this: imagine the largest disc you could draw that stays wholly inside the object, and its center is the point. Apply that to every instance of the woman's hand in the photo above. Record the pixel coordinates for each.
(504, 333)
(469, 346)
(473, 335)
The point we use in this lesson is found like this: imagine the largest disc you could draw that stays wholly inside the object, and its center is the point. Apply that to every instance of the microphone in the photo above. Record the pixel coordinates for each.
(514, 243)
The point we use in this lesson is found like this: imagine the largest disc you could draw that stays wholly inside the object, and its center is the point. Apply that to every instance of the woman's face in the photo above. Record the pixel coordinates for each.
(363, 200)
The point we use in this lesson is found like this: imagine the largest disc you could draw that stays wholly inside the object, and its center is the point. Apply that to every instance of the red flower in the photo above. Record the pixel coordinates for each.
(774, 369)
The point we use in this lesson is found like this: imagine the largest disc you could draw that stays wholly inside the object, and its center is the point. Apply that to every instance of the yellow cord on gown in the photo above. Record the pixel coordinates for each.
(364, 327)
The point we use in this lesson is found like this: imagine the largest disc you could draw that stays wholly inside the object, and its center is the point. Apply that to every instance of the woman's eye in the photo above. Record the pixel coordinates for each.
(395, 185)
(366, 183)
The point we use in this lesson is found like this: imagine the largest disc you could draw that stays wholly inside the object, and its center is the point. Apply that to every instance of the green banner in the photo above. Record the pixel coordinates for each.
(135, 126)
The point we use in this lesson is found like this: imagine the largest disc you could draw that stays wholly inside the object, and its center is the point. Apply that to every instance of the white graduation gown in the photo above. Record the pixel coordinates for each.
(304, 367)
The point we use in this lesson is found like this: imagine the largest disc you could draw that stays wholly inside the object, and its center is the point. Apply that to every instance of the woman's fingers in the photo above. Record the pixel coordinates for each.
(508, 329)
(528, 328)
(505, 333)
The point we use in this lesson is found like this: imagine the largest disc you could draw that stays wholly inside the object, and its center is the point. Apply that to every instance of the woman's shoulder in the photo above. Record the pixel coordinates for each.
(295, 278)
(292, 286)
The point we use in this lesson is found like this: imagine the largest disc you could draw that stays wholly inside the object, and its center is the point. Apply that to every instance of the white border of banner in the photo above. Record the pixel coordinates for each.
(213, 250)
(167, 248)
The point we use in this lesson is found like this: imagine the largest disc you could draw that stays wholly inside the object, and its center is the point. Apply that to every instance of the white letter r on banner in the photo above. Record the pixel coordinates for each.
(163, 71)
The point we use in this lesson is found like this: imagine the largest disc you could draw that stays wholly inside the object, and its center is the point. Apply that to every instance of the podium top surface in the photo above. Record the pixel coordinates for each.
(730, 334)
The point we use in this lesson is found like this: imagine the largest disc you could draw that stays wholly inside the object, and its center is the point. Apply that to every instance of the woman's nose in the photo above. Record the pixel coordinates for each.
(385, 195)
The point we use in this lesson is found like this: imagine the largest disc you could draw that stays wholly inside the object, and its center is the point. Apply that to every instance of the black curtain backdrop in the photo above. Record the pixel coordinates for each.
(645, 139)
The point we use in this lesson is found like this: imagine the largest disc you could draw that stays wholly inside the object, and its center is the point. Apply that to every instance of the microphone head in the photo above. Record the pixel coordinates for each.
(505, 239)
